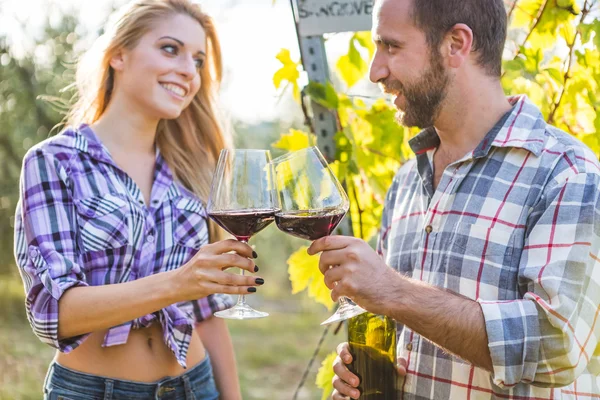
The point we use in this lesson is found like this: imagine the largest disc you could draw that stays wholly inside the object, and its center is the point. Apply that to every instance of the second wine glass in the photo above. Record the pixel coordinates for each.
(243, 202)
(313, 203)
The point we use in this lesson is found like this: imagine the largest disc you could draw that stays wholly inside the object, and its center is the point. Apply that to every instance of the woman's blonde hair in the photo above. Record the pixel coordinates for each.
(191, 143)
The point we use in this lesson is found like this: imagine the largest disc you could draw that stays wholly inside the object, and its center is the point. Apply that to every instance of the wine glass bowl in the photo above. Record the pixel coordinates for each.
(243, 202)
(312, 204)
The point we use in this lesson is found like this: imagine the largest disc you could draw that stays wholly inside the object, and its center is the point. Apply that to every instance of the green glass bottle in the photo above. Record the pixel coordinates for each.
(372, 340)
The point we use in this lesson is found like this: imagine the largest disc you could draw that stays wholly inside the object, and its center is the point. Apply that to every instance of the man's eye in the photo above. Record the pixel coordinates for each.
(170, 49)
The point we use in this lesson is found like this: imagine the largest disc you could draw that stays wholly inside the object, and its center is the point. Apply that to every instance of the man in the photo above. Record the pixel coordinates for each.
(492, 232)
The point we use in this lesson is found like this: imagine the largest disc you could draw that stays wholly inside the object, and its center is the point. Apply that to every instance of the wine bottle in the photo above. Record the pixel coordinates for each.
(372, 340)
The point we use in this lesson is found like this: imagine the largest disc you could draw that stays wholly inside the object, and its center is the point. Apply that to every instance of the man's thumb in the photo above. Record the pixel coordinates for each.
(401, 366)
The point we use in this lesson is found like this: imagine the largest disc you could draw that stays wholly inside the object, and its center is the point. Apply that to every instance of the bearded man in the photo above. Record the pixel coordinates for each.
(488, 253)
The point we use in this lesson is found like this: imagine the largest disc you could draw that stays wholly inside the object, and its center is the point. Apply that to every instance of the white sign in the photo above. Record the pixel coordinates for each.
(325, 16)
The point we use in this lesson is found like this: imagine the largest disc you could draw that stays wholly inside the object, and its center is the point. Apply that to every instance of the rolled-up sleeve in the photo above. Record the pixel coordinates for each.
(45, 245)
(548, 337)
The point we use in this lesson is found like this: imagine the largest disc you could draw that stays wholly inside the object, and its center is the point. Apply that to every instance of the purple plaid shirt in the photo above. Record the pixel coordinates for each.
(514, 225)
(82, 221)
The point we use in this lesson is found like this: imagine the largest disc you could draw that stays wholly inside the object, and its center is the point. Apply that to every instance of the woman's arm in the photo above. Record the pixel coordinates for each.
(216, 339)
(88, 309)
(92, 308)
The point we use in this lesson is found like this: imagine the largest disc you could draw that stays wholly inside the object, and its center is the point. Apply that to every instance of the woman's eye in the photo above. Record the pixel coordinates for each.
(199, 63)
(170, 49)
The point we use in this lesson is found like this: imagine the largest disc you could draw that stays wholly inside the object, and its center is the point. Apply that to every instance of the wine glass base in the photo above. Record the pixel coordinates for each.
(343, 313)
(241, 312)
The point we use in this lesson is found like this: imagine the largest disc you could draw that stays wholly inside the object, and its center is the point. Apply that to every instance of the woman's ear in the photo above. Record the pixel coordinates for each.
(458, 45)
(117, 61)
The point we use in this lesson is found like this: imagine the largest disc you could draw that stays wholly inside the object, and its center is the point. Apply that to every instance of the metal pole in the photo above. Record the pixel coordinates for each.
(324, 121)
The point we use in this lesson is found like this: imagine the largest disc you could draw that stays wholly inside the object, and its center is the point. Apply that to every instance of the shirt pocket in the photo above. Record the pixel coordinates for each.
(103, 222)
(189, 225)
(477, 240)
(479, 264)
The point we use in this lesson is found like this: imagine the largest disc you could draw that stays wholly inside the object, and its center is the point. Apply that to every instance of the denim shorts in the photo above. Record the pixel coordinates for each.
(65, 384)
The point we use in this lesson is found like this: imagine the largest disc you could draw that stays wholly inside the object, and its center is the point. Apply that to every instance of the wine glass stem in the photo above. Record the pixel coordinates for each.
(242, 298)
(343, 302)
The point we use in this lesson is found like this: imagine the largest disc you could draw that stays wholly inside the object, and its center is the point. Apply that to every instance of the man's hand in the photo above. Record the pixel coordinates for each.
(345, 383)
(358, 272)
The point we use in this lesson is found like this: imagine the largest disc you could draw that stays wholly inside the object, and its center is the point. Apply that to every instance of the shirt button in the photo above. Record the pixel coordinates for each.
(90, 213)
(33, 253)
(409, 347)
(150, 239)
(428, 228)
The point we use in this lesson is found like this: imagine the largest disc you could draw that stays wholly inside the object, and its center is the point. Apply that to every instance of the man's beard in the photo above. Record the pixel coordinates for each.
(424, 98)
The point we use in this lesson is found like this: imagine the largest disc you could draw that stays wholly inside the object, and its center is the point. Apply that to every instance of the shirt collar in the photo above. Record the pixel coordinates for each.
(87, 141)
(522, 127)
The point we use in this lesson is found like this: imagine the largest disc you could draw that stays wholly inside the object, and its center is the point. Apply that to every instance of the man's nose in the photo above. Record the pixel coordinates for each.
(378, 70)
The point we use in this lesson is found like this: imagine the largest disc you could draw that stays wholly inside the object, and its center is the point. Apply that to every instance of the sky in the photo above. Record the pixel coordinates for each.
(252, 33)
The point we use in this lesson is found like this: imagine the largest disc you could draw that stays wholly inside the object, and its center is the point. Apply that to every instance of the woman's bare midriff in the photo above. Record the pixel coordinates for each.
(144, 358)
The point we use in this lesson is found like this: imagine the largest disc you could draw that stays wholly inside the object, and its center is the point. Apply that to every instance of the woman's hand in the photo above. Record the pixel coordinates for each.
(205, 273)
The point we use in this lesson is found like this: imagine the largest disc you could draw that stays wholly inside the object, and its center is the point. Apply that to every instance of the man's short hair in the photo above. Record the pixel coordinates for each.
(486, 18)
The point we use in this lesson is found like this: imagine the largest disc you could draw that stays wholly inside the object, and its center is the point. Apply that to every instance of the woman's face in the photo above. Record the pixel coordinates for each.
(160, 76)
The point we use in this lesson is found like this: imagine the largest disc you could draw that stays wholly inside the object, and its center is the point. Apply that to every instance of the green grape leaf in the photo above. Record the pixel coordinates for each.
(556, 75)
(588, 29)
(325, 376)
(324, 94)
(305, 274)
(295, 140)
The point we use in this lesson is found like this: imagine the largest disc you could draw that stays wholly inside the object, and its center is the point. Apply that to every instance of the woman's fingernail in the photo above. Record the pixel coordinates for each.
(259, 281)
(256, 268)
(347, 359)
(252, 290)
(356, 394)
(254, 255)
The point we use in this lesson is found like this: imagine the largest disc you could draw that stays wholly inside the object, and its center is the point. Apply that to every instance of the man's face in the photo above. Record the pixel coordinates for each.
(405, 66)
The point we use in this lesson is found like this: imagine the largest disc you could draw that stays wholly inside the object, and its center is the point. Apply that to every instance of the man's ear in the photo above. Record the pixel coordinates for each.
(117, 62)
(457, 45)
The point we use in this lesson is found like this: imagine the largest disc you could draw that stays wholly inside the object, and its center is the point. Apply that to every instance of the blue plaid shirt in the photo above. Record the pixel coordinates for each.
(514, 225)
(82, 221)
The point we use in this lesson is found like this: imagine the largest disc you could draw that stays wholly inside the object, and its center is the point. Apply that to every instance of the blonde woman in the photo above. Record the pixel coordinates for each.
(112, 239)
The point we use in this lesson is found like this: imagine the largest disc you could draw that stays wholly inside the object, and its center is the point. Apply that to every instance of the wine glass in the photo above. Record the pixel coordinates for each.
(243, 202)
(312, 203)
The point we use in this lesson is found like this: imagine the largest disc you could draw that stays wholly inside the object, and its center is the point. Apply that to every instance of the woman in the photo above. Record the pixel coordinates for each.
(111, 232)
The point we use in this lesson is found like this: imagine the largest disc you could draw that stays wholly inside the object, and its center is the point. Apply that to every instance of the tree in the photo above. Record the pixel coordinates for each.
(26, 115)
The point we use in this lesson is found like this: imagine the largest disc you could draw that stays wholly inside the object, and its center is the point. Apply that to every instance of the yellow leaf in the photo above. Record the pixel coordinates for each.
(352, 66)
(295, 140)
(365, 40)
(525, 13)
(348, 71)
(304, 274)
(325, 376)
(288, 72)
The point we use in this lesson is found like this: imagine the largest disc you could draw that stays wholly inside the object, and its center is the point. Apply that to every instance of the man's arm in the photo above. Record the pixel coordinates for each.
(451, 321)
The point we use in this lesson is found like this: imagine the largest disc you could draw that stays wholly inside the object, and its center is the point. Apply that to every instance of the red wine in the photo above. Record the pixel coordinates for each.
(244, 223)
(310, 225)
(372, 341)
